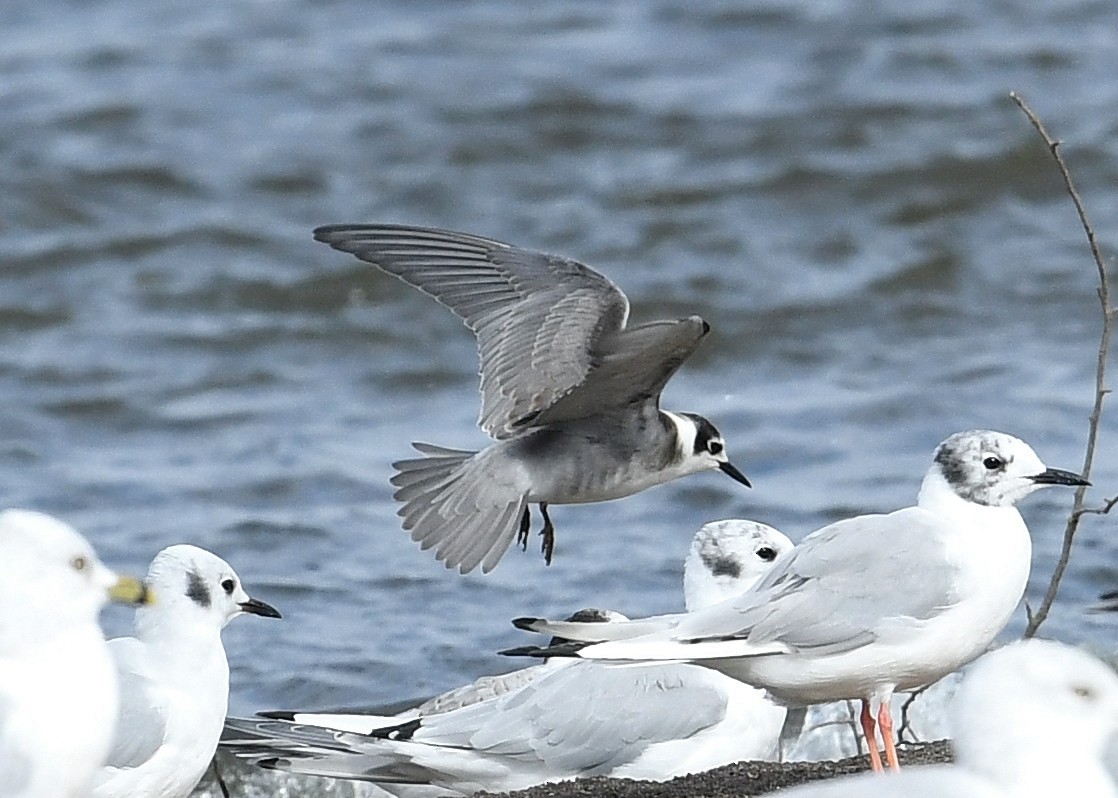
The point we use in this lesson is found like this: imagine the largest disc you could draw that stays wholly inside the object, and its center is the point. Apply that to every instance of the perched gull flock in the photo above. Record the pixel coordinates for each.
(859, 610)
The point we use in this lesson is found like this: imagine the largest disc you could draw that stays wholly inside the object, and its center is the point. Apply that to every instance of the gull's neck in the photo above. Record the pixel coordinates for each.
(937, 495)
(189, 633)
(185, 650)
(989, 550)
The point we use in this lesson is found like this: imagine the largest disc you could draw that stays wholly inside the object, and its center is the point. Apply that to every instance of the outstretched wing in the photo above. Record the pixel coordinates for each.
(633, 365)
(539, 319)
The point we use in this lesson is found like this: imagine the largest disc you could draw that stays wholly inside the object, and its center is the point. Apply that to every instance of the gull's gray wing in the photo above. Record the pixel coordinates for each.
(141, 720)
(580, 721)
(545, 325)
(485, 688)
(839, 588)
(584, 720)
(365, 721)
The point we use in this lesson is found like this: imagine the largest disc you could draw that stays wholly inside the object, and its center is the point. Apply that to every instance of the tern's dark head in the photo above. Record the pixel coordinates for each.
(993, 469)
(701, 447)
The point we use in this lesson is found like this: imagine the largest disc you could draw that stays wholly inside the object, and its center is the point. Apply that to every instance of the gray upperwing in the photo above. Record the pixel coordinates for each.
(833, 592)
(485, 688)
(586, 719)
(634, 366)
(141, 719)
(538, 318)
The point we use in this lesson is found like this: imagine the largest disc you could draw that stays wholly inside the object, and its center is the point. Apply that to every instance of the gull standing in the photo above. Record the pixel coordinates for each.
(869, 605)
(174, 677)
(58, 693)
(568, 390)
(568, 719)
(1030, 720)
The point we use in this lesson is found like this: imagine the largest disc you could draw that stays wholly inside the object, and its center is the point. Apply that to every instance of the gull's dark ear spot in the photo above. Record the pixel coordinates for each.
(720, 564)
(196, 589)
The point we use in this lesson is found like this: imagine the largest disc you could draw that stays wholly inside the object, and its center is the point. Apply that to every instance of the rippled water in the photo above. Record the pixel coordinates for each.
(843, 189)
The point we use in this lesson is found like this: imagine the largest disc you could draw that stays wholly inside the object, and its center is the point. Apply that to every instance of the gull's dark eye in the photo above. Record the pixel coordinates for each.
(1084, 692)
(766, 553)
(228, 585)
(993, 463)
(79, 563)
(715, 447)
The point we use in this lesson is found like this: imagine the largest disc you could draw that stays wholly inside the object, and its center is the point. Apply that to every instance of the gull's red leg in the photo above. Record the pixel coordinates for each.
(870, 730)
(885, 723)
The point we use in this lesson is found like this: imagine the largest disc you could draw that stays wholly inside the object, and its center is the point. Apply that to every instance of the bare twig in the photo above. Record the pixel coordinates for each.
(218, 778)
(906, 720)
(1106, 507)
(1108, 313)
(852, 714)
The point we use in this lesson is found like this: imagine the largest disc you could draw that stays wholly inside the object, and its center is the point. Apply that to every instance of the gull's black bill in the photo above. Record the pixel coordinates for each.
(257, 607)
(1054, 476)
(729, 470)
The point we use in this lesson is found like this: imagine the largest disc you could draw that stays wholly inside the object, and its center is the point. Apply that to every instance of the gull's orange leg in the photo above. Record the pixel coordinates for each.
(870, 730)
(885, 723)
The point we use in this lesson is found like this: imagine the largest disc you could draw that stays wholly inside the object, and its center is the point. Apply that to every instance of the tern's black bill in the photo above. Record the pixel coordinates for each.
(729, 470)
(1054, 476)
(257, 607)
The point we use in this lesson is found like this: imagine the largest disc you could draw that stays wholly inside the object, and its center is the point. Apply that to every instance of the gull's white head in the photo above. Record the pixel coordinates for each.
(701, 447)
(1035, 706)
(51, 580)
(727, 558)
(993, 469)
(196, 586)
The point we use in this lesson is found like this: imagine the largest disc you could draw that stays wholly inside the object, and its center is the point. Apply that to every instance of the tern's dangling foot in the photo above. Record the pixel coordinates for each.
(525, 527)
(548, 534)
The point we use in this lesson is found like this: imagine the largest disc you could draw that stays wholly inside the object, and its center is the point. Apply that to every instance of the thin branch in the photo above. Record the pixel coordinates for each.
(852, 713)
(218, 777)
(1108, 312)
(906, 719)
(1106, 507)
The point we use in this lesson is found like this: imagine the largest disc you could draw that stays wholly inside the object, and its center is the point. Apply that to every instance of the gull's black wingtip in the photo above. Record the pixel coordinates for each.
(277, 714)
(569, 648)
(326, 232)
(402, 731)
(523, 651)
(526, 623)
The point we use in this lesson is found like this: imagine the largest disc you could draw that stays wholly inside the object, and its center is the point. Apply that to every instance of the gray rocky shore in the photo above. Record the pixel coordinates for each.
(738, 780)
